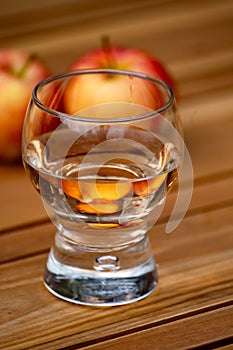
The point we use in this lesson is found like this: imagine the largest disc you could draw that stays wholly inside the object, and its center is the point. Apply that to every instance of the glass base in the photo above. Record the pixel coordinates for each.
(110, 278)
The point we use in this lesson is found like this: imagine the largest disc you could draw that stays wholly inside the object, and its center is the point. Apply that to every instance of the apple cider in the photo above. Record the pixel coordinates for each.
(102, 147)
(101, 184)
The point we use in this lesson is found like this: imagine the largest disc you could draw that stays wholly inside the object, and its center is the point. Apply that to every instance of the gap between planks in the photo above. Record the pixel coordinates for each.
(185, 327)
(188, 296)
(36, 238)
(201, 181)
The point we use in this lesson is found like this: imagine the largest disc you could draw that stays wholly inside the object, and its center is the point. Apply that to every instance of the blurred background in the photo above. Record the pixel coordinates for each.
(62, 30)
(193, 39)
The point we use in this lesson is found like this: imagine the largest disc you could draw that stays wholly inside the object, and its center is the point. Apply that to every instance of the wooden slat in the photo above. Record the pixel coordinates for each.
(27, 242)
(209, 146)
(63, 16)
(181, 334)
(13, 7)
(195, 265)
(194, 112)
(206, 73)
(214, 141)
(19, 201)
(37, 237)
(196, 28)
(192, 305)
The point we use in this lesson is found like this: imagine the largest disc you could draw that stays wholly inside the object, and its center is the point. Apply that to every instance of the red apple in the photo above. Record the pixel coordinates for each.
(19, 73)
(82, 93)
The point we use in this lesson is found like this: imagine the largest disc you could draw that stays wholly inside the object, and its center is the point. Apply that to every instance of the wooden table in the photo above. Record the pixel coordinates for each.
(192, 307)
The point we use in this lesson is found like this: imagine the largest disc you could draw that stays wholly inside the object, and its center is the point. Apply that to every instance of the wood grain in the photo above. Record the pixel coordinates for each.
(177, 32)
(181, 331)
(191, 261)
(214, 142)
(37, 236)
(192, 306)
(19, 201)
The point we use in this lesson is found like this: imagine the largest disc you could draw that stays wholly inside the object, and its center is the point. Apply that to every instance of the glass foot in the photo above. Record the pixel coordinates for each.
(100, 278)
(102, 291)
(101, 288)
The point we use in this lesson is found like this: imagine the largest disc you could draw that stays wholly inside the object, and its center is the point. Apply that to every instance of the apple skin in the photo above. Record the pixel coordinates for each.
(124, 58)
(17, 80)
(82, 94)
(86, 91)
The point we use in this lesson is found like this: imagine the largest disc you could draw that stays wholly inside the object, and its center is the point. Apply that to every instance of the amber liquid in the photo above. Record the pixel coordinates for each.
(102, 197)
(107, 188)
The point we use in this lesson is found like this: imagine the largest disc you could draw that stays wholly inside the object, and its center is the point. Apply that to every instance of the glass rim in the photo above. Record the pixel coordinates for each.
(74, 73)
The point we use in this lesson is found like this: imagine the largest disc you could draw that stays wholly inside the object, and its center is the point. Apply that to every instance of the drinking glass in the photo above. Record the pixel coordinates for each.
(101, 148)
